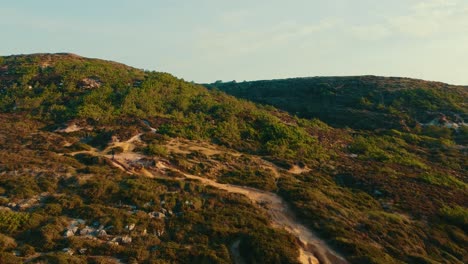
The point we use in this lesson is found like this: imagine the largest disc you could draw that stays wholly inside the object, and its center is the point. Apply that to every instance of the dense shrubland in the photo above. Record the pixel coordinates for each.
(392, 195)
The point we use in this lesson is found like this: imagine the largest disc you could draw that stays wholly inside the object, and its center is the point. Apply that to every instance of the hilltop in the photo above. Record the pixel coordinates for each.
(105, 163)
(360, 102)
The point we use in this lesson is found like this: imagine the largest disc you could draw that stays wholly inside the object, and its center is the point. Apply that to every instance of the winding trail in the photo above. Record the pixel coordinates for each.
(313, 250)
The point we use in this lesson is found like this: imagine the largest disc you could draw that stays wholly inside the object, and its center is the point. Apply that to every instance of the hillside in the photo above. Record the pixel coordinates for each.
(105, 163)
(364, 102)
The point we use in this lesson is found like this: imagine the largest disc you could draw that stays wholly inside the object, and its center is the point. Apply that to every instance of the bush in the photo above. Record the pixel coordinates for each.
(61, 258)
(9, 258)
(27, 250)
(157, 150)
(53, 209)
(7, 243)
(12, 221)
(443, 180)
(456, 215)
(78, 146)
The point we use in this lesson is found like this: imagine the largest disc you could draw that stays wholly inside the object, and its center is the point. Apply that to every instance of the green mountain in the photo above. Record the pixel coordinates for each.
(364, 102)
(105, 163)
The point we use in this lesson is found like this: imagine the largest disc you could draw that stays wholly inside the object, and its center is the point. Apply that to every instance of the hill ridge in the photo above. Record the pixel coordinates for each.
(81, 137)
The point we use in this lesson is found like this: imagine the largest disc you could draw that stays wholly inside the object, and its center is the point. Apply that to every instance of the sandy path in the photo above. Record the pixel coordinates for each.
(313, 250)
(298, 170)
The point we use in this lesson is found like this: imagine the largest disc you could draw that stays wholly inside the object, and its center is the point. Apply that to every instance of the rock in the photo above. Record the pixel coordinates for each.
(90, 83)
(86, 231)
(160, 232)
(101, 233)
(126, 240)
(69, 251)
(130, 227)
(69, 233)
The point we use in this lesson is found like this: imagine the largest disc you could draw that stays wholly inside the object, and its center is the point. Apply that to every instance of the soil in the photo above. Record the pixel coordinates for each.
(313, 250)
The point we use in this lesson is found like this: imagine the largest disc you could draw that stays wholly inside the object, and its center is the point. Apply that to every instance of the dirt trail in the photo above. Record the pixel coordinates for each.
(127, 146)
(313, 250)
(298, 170)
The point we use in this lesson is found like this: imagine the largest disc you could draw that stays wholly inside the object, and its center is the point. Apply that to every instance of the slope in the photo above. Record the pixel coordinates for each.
(65, 117)
(361, 102)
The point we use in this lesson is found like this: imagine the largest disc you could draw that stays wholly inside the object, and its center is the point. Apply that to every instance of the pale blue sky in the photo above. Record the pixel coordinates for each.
(208, 40)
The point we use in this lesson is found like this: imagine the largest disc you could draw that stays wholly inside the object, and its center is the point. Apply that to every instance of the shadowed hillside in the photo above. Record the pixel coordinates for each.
(365, 102)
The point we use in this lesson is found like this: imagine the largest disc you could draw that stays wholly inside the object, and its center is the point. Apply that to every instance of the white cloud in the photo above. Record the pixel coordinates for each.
(10, 17)
(234, 43)
(423, 19)
(428, 18)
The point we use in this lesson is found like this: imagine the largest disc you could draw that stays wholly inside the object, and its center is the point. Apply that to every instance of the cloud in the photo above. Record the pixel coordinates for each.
(241, 42)
(11, 17)
(429, 18)
(423, 19)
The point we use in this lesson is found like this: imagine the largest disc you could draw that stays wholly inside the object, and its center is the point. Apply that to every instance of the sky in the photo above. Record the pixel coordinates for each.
(209, 40)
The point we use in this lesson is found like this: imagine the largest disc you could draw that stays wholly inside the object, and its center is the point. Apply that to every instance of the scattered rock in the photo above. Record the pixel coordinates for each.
(69, 233)
(160, 232)
(86, 231)
(130, 227)
(90, 83)
(101, 233)
(69, 251)
(126, 239)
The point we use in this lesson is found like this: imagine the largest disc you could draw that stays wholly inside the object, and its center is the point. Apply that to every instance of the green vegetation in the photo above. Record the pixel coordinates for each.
(385, 149)
(11, 221)
(361, 171)
(444, 180)
(457, 215)
(365, 102)
(122, 92)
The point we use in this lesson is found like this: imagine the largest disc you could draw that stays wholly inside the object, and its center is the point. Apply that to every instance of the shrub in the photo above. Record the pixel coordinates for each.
(7, 243)
(443, 180)
(157, 150)
(456, 215)
(116, 150)
(27, 250)
(11, 221)
(53, 209)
